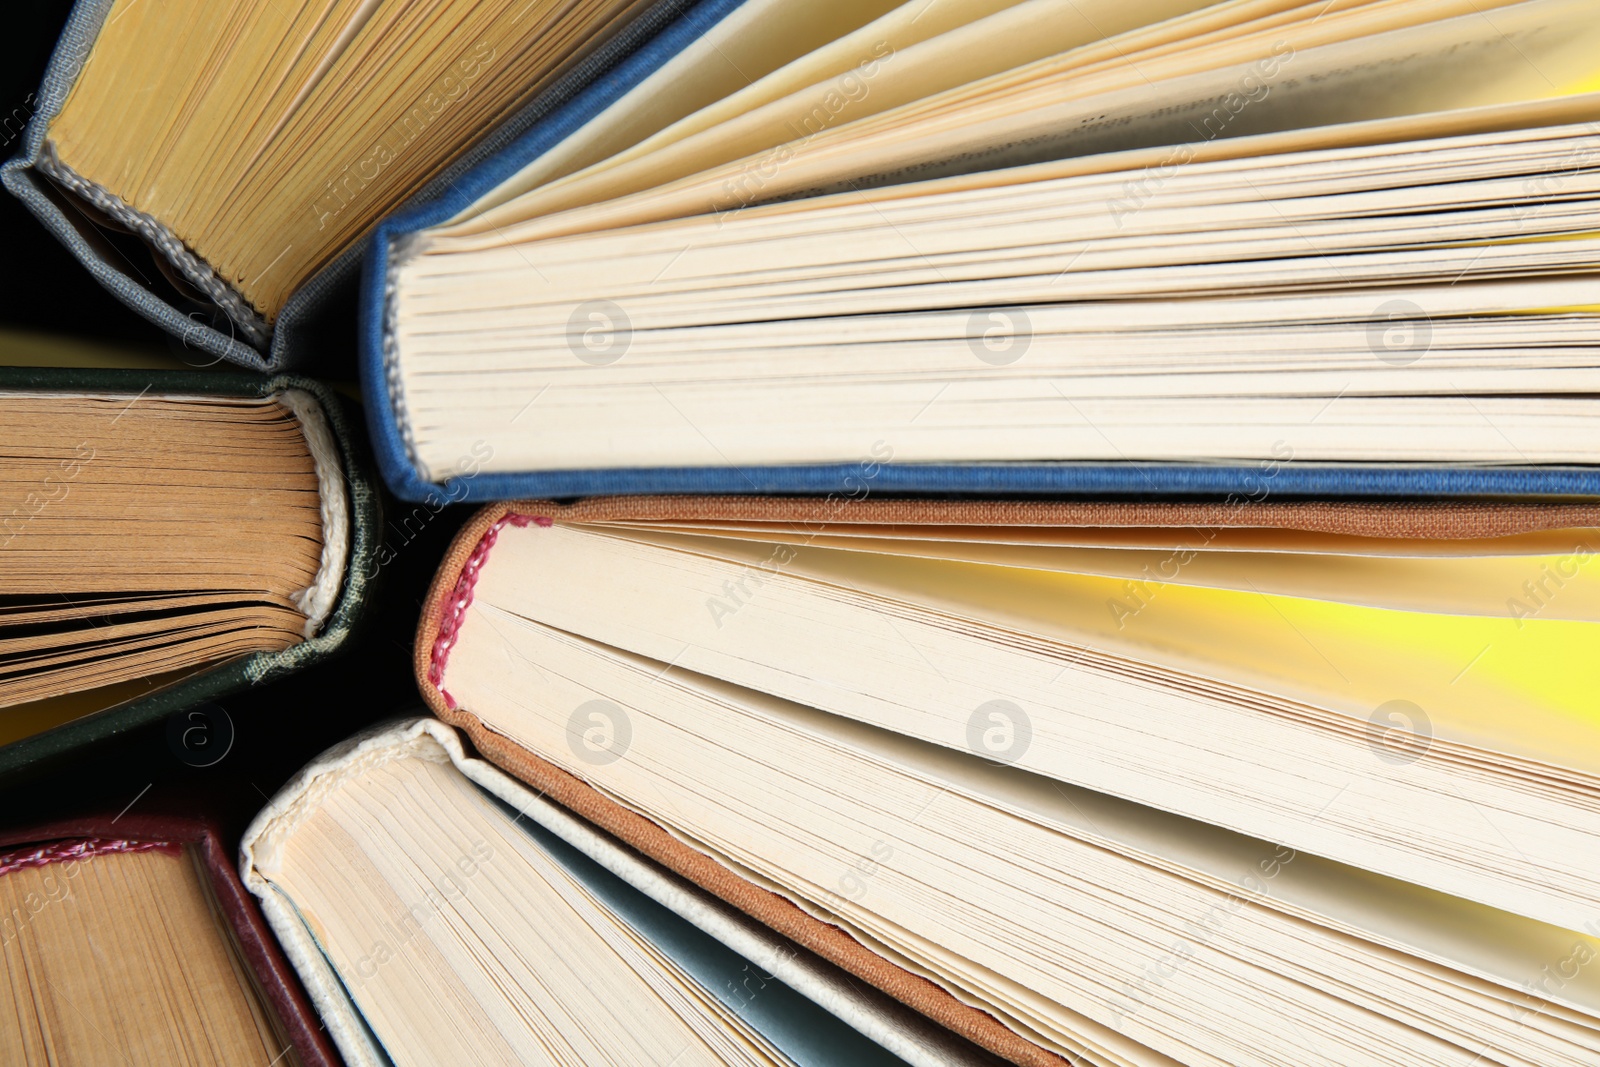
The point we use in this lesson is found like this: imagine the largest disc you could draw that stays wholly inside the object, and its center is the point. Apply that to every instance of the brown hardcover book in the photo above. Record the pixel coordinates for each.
(130, 939)
(1110, 783)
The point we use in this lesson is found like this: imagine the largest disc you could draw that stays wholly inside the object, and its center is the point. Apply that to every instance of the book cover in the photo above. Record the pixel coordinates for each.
(62, 844)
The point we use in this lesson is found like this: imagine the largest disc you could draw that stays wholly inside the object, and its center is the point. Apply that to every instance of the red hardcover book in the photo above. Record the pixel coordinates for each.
(133, 941)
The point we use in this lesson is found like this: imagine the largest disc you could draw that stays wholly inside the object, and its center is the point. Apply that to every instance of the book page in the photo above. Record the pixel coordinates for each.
(1463, 585)
(1518, 683)
(148, 534)
(461, 940)
(889, 63)
(1433, 66)
(781, 792)
(1484, 939)
(753, 40)
(117, 957)
(1518, 680)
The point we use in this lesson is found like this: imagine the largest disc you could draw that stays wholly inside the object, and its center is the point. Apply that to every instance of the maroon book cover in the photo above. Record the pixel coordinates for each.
(101, 833)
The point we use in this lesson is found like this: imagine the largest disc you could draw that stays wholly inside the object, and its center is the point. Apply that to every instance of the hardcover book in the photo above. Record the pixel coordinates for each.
(440, 912)
(1110, 783)
(128, 938)
(168, 537)
(1038, 247)
(250, 148)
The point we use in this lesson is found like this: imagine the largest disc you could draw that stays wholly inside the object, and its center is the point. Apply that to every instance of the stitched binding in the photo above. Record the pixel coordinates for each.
(194, 269)
(85, 848)
(399, 249)
(316, 601)
(288, 812)
(455, 608)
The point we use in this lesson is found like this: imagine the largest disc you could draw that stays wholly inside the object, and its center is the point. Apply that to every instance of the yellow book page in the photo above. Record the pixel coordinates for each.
(1524, 682)
(1490, 585)
(25, 720)
(1591, 84)
(1521, 684)
(25, 348)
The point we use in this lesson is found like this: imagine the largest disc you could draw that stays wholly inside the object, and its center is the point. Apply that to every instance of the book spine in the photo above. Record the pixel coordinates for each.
(158, 236)
(317, 600)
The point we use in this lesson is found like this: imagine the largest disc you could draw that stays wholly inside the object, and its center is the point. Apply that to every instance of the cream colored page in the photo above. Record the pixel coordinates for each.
(1061, 244)
(1149, 728)
(674, 728)
(1330, 202)
(1503, 947)
(1458, 62)
(1384, 59)
(896, 30)
(1579, 107)
(429, 924)
(751, 42)
(793, 412)
(1168, 539)
(488, 674)
(863, 48)
(885, 65)
(1499, 122)
(1513, 685)
(1460, 933)
(1518, 681)
(1560, 585)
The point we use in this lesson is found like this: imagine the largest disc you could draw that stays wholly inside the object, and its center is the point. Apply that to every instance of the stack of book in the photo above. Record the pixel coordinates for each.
(1012, 531)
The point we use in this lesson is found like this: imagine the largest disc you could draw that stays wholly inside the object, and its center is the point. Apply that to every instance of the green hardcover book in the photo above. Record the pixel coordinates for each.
(166, 537)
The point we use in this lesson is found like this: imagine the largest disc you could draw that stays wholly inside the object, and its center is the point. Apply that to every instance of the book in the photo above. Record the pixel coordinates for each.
(1038, 247)
(169, 537)
(128, 938)
(263, 144)
(1130, 782)
(439, 912)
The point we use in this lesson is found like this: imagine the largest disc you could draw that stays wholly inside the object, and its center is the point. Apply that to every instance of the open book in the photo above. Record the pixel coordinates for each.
(167, 536)
(1146, 783)
(988, 233)
(440, 912)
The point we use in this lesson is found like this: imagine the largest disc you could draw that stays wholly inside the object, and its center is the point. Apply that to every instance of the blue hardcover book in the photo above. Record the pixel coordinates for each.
(1017, 248)
(250, 148)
